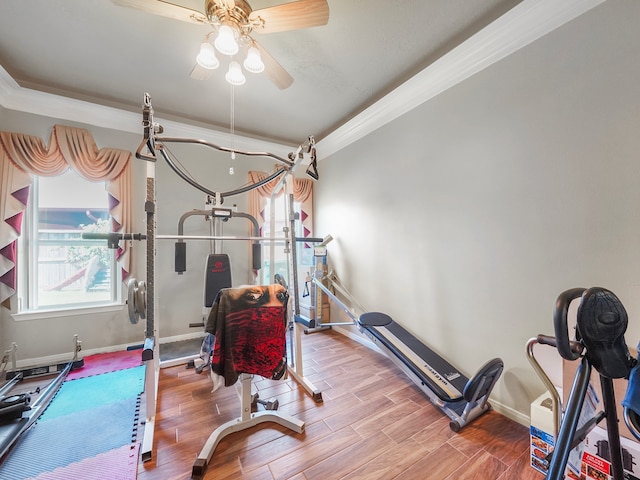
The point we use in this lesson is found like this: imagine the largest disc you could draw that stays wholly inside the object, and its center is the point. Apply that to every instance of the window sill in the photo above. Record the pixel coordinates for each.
(67, 312)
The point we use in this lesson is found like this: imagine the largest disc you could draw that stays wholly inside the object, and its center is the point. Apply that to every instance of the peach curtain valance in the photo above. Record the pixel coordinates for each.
(22, 156)
(302, 192)
(68, 148)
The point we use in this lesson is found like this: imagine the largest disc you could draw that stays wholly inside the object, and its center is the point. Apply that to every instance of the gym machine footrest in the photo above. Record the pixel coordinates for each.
(306, 321)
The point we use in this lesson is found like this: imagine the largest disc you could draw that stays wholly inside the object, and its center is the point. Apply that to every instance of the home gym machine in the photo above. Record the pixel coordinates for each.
(599, 343)
(144, 300)
(217, 267)
(460, 398)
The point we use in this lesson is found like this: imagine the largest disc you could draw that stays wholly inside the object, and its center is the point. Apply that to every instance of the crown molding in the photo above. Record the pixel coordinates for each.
(525, 23)
(15, 97)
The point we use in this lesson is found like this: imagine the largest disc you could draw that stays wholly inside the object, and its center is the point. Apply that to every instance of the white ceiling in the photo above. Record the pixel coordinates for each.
(105, 54)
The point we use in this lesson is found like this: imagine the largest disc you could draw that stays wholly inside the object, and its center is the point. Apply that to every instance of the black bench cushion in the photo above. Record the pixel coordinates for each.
(441, 377)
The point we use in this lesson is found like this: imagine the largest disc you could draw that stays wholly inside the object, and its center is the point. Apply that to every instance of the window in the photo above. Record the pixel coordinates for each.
(280, 261)
(58, 269)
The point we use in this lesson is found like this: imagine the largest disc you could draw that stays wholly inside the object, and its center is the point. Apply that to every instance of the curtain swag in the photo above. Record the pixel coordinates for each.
(302, 192)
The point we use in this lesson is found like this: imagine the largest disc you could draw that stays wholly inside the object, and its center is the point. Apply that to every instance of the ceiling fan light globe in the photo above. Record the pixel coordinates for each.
(226, 40)
(207, 57)
(235, 76)
(253, 63)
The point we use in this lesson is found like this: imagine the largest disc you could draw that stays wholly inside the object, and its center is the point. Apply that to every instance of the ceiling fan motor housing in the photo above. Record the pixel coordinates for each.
(238, 14)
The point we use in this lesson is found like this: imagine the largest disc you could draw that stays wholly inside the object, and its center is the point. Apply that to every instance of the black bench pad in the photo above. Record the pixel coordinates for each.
(441, 377)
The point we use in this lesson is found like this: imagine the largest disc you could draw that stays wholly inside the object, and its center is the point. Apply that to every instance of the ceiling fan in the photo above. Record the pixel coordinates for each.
(233, 23)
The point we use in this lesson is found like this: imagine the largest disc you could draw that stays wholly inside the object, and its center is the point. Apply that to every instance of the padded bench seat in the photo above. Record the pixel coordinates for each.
(442, 378)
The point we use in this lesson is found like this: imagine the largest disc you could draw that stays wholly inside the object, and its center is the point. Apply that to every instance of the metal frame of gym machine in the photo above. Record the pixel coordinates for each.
(150, 145)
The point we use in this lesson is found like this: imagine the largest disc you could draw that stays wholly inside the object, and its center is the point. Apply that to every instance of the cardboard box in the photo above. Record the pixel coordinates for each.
(596, 460)
(542, 443)
(307, 311)
(541, 432)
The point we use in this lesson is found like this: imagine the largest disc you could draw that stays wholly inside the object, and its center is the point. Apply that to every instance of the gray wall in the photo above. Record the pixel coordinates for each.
(465, 218)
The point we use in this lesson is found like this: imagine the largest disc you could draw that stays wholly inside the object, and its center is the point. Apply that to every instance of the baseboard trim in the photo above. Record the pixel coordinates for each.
(66, 357)
(511, 413)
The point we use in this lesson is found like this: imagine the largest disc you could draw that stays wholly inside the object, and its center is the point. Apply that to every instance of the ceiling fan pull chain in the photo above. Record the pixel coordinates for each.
(233, 133)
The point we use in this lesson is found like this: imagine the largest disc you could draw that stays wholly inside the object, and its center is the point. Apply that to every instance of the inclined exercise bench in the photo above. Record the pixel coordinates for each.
(460, 398)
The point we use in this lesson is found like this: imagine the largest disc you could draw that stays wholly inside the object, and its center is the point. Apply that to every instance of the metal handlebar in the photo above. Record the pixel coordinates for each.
(568, 350)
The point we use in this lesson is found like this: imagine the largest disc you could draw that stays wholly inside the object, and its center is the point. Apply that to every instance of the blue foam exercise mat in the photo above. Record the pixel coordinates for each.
(91, 392)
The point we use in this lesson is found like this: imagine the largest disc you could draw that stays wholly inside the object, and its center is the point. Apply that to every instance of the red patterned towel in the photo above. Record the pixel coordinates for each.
(249, 324)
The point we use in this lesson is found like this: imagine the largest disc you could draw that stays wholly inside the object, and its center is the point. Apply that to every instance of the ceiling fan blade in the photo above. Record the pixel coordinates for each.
(165, 9)
(292, 16)
(200, 73)
(276, 72)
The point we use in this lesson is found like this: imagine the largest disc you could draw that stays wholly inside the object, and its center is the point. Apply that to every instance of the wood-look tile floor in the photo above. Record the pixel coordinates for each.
(373, 423)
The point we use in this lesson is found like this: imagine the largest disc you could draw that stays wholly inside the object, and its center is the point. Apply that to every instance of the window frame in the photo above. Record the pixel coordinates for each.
(303, 260)
(29, 243)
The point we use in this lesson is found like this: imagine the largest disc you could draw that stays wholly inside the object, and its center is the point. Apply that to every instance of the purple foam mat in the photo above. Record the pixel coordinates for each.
(117, 464)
